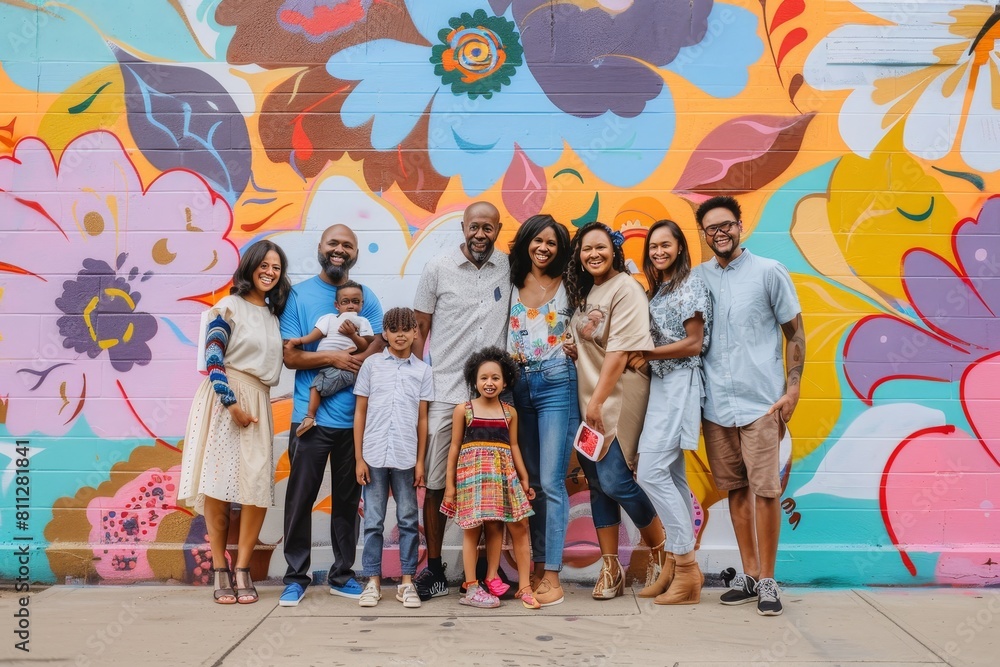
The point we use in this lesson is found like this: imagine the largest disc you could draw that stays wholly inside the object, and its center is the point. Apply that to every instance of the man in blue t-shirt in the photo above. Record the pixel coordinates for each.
(332, 438)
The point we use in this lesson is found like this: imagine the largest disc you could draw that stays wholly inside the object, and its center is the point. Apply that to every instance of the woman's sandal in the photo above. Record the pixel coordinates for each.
(528, 599)
(224, 589)
(248, 591)
(307, 423)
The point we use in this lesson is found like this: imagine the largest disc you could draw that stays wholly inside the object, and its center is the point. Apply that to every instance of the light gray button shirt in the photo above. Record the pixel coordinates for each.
(744, 365)
(394, 388)
(470, 307)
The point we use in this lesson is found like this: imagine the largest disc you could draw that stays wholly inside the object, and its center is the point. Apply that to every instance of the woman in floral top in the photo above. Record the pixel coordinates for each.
(680, 312)
(545, 392)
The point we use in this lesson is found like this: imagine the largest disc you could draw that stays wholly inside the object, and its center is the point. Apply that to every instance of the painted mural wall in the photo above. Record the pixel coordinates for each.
(144, 143)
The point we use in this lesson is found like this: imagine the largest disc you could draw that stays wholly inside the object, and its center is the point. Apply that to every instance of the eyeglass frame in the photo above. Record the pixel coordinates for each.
(728, 226)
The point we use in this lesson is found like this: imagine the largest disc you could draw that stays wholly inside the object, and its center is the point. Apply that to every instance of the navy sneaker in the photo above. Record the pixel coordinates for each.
(291, 595)
(743, 589)
(430, 585)
(351, 589)
(768, 598)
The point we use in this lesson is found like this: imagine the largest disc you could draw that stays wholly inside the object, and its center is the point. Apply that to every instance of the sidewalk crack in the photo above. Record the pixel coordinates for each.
(902, 626)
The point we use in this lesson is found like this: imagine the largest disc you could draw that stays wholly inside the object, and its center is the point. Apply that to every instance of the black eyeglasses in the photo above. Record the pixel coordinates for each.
(723, 227)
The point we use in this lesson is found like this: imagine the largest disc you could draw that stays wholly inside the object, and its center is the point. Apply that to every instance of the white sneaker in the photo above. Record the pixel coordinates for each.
(407, 594)
(370, 596)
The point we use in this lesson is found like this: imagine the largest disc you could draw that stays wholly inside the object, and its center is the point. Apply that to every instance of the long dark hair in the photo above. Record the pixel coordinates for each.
(243, 277)
(520, 260)
(682, 264)
(576, 279)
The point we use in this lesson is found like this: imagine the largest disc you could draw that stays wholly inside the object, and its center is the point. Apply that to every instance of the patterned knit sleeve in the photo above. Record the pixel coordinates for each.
(215, 353)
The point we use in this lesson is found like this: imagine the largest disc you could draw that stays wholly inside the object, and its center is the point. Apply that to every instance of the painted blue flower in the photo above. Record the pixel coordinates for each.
(482, 98)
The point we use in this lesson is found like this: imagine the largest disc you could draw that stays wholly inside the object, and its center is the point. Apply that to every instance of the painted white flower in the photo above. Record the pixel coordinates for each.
(938, 74)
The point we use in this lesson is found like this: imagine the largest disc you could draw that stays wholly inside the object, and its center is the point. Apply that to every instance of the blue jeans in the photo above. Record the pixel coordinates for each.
(612, 488)
(547, 418)
(376, 495)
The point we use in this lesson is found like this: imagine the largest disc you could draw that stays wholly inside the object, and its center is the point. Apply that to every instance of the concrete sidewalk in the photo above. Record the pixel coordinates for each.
(173, 625)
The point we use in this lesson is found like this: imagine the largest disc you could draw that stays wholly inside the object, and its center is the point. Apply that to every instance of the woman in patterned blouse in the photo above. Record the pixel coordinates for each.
(545, 392)
(680, 312)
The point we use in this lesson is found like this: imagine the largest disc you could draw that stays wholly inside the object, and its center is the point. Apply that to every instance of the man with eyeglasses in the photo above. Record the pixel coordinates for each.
(750, 393)
(462, 298)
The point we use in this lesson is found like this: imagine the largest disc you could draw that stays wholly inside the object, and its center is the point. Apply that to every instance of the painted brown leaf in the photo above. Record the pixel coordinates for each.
(523, 187)
(300, 124)
(743, 154)
(283, 33)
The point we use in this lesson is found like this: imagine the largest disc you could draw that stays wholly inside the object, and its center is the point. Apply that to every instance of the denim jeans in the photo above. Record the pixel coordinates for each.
(612, 488)
(376, 495)
(547, 418)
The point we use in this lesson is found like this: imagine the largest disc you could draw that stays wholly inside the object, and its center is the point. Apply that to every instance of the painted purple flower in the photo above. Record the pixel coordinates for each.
(101, 315)
(99, 285)
(957, 305)
(590, 57)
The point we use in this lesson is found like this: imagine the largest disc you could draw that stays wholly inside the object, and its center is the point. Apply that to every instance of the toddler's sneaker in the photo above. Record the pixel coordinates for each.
(479, 597)
(350, 589)
(768, 598)
(370, 595)
(497, 586)
(743, 589)
(430, 585)
(407, 594)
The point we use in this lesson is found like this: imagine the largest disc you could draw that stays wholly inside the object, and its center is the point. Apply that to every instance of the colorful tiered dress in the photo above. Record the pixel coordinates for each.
(487, 487)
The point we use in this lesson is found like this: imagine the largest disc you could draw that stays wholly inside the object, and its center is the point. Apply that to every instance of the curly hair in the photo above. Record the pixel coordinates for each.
(277, 296)
(349, 284)
(721, 201)
(576, 279)
(508, 367)
(682, 263)
(399, 319)
(520, 261)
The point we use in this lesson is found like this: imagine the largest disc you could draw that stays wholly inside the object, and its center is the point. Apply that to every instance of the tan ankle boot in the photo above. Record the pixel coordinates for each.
(659, 572)
(686, 586)
(611, 581)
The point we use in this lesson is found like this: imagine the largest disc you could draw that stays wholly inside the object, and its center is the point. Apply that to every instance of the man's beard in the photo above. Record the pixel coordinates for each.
(332, 271)
(480, 257)
(727, 254)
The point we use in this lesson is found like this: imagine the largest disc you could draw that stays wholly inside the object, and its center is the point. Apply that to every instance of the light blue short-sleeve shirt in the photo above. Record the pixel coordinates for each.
(744, 366)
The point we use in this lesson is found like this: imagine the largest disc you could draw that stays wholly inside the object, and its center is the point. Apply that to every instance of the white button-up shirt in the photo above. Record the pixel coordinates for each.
(470, 306)
(394, 387)
(744, 366)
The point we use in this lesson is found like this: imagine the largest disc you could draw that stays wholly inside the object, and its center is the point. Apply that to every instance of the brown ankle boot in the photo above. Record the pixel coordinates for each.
(686, 586)
(659, 573)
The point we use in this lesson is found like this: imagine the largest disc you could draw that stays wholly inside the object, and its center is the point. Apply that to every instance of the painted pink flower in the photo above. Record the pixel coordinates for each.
(956, 304)
(940, 490)
(99, 278)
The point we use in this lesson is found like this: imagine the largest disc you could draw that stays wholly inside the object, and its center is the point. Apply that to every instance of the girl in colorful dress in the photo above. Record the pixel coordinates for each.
(680, 312)
(487, 483)
(228, 456)
(545, 391)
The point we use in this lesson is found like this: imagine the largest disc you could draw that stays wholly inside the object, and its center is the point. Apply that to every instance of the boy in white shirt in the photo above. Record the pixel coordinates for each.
(346, 331)
(393, 391)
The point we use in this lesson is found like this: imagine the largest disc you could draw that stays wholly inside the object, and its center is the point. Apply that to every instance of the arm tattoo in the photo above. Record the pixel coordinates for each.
(795, 349)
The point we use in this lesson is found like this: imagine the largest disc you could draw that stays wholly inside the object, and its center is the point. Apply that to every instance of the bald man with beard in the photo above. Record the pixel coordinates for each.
(462, 303)
(332, 438)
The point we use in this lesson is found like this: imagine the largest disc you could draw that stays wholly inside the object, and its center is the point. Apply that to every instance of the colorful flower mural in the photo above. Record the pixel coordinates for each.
(100, 277)
(140, 151)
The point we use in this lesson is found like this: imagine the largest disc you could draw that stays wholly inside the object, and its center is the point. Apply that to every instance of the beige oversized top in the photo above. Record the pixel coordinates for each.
(255, 342)
(615, 318)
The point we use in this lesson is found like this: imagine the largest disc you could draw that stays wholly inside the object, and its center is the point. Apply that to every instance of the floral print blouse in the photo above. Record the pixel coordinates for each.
(667, 313)
(538, 334)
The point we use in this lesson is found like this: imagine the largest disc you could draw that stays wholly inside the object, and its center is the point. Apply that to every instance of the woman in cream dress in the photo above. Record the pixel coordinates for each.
(228, 447)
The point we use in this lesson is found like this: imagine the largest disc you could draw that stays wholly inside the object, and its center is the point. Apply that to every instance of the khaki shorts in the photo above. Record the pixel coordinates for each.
(748, 455)
(439, 418)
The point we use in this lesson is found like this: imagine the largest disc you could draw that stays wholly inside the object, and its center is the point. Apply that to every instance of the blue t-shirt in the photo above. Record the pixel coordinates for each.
(309, 301)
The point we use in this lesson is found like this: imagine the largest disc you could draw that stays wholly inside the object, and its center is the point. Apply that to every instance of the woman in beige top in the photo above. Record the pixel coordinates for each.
(228, 456)
(611, 326)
